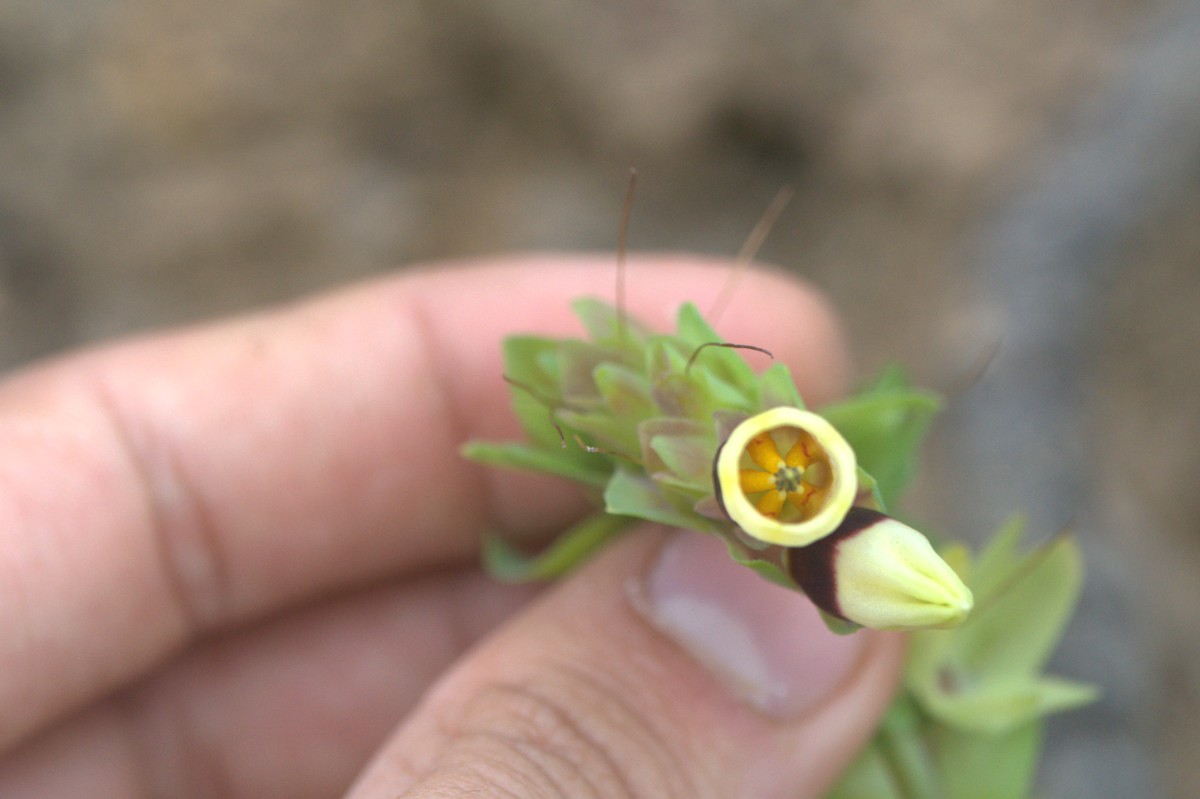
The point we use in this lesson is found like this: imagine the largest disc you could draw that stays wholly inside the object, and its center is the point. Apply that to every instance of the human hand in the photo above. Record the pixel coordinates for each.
(241, 561)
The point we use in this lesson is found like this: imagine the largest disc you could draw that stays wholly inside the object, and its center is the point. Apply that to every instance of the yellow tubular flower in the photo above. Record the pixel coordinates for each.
(786, 476)
(880, 573)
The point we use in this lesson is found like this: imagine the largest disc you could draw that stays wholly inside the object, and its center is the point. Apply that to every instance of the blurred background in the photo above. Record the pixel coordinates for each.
(972, 176)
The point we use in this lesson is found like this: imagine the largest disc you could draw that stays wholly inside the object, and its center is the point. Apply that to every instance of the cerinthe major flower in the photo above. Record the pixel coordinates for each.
(678, 429)
(880, 573)
(786, 477)
(705, 442)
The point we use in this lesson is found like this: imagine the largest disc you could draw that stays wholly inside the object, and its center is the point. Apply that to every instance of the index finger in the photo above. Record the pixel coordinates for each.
(162, 488)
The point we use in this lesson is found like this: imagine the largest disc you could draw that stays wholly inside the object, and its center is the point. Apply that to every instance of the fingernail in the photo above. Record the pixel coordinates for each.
(766, 642)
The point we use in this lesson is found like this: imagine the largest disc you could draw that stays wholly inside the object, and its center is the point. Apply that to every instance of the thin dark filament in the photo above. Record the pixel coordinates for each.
(727, 345)
(622, 250)
(598, 451)
(750, 249)
(550, 406)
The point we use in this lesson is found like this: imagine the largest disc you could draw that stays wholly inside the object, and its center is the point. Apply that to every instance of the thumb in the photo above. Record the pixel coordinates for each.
(662, 669)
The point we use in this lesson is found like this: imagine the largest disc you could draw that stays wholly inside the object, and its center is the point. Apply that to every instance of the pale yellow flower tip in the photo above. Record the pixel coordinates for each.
(880, 573)
(890, 578)
(786, 476)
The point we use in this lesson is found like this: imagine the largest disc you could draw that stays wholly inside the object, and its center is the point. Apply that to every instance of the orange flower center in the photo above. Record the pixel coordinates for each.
(790, 487)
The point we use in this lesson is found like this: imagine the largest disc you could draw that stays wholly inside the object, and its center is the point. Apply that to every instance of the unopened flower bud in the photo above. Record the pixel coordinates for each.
(786, 476)
(882, 574)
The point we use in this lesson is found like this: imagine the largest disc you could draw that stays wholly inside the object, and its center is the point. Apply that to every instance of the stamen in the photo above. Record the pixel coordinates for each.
(752, 481)
(770, 504)
(798, 455)
(763, 452)
(789, 478)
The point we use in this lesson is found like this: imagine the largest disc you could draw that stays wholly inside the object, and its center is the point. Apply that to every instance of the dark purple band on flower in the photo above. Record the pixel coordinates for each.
(716, 480)
(813, 566)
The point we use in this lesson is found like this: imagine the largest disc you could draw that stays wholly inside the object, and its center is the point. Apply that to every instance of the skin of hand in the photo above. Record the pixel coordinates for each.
(241, 560)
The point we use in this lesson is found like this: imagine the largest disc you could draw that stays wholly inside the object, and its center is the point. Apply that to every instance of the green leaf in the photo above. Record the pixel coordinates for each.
(905, 751)
(868, 492)
(625, 392)
(913, 758)
(670, 427)
(577, 362)
(867, 778)
(720, 394)
(601, 430)
(687, 492)
(691, 326)
(672, 389)
(590, 469)
(999, 705)
(724, 362)
(976, 766)
(886, 425)
(532, 364)
(765, 568)
(985, 675)
(1017, 624)
(508, 564)
(631, 493)
(603, 323)
(1000, 560)
(777, 389)
(687, 457)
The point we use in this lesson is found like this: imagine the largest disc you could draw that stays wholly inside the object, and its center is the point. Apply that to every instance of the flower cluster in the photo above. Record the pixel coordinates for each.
(786, 476)
(679, 430)
(675, 430)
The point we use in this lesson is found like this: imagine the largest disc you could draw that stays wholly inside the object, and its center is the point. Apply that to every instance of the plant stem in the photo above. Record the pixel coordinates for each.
(905, 754)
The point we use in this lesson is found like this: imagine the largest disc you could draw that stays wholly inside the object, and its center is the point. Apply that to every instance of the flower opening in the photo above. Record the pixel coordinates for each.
(786, 476)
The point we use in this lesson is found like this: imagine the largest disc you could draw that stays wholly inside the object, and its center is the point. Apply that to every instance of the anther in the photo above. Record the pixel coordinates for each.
(788, 479)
